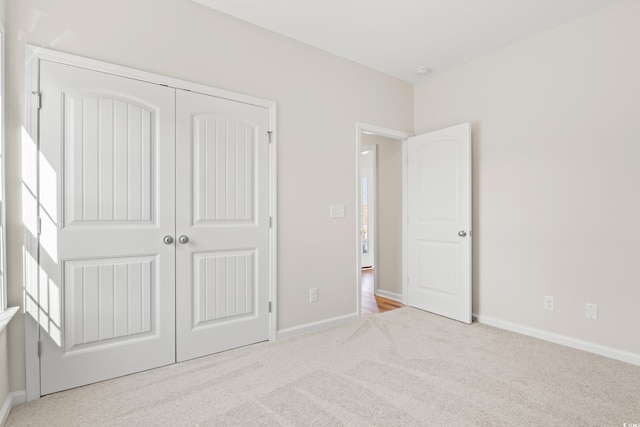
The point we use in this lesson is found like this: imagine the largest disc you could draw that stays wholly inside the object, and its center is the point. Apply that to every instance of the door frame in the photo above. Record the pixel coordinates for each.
(30, 138)
(401, 137)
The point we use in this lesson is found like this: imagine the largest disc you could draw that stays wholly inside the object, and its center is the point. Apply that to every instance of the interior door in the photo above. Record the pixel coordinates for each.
(107, 190)
(222, 224)
(439, 229)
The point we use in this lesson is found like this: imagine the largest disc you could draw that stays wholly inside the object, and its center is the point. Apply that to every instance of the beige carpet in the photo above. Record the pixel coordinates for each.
(400, 368)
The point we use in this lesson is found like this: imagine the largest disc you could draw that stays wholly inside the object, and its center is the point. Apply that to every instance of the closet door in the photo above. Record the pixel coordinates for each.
(222, 225)
(107, 190)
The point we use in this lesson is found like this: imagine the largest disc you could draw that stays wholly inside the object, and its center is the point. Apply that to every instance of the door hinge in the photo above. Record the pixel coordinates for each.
(39, 348)
(269, 306)
(270, 133)
(39, 95)
(270, 222)
(39, 226)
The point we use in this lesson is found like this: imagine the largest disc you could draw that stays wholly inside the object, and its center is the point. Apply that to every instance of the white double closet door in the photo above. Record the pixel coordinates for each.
(154, 245)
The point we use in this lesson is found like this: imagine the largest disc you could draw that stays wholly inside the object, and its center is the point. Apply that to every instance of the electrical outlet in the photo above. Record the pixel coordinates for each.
(549, 303)
(591, 311)
(313, 295)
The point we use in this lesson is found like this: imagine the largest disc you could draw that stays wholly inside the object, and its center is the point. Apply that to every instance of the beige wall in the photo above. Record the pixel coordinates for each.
(4, 368)
(320, 98)
(556, 124)
(389, 213)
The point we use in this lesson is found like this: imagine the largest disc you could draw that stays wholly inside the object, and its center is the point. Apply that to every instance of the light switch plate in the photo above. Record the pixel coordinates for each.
(336, 211)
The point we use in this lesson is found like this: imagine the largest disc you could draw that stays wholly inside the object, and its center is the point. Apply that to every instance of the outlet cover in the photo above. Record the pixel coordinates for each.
(591, 311)
(336, 211)
(549, 303)
(313, 295)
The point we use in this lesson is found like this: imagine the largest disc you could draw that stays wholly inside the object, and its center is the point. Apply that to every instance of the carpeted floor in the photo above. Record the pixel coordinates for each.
(400, 368)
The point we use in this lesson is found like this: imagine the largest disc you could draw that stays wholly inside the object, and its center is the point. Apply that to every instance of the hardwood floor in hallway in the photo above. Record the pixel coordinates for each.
(372, 304)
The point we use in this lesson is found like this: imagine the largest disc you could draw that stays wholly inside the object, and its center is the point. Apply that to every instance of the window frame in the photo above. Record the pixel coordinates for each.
(3, 223)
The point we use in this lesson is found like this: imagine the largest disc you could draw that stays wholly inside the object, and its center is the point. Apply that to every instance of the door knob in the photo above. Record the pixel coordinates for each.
(183, 239)
(167, 240)
(462, 233)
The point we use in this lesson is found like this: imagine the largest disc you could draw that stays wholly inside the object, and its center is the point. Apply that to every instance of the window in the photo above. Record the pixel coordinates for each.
(3, 270)
(5, 314)
(365, 216)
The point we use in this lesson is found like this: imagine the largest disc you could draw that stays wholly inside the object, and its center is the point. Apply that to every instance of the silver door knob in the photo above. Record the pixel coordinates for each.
(183, 239)
(167, 240)
(462, 233)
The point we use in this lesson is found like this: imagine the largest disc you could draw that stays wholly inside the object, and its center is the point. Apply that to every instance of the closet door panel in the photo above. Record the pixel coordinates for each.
(107, 177)
(222, 198)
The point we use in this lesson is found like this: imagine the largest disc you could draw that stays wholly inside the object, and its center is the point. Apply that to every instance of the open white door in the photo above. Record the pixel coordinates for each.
(439, 230)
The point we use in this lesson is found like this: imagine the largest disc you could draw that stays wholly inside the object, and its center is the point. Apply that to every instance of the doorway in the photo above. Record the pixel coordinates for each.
(381, 271)
(436, 196)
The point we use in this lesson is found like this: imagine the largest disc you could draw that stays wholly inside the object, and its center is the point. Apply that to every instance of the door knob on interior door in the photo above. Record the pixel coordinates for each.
(462, 233)
(167, 240)
(183, 239)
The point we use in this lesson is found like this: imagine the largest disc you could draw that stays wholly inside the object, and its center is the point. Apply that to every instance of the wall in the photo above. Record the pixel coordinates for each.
(320, 98)
(556, 146)
(4, 370)
(389, 214)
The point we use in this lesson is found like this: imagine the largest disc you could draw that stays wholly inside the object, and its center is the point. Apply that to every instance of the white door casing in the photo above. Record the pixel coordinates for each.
(107, 200)
(439, 229)
(222, 198)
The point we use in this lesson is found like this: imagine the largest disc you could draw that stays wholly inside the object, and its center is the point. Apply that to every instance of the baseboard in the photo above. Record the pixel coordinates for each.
(567, 341)
(14, 398)
(389, 295)
(317, 326)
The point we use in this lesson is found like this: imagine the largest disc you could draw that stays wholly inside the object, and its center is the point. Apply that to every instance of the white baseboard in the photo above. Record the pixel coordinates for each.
(317, 326)
(389, 295)
(14, 398)
(609, 352)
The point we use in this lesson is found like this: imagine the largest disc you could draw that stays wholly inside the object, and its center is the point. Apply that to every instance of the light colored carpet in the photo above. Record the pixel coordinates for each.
(400, 368)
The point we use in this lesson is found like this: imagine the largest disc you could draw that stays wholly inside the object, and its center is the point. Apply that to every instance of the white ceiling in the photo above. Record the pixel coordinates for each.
(398, 36)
